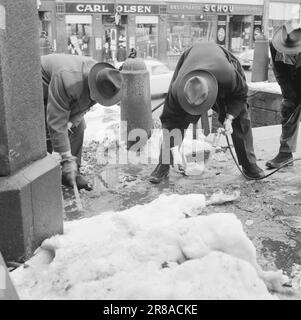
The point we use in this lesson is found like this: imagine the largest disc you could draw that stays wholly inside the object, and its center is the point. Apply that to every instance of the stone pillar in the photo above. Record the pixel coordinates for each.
(30, 194)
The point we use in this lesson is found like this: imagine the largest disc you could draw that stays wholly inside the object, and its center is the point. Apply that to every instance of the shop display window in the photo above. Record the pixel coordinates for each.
(147, 36)
(240, 33)
(114, 42)
(185, 30)
(79, 32)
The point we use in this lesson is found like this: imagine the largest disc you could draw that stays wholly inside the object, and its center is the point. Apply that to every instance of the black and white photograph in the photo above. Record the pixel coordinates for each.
(150, 154)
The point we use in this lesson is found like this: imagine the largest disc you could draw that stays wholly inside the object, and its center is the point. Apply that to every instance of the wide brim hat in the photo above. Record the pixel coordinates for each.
(287, 40)
(210, 100)
(105, 84)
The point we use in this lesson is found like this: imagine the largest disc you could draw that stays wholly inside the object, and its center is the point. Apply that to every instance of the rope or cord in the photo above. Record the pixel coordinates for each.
(261, 178)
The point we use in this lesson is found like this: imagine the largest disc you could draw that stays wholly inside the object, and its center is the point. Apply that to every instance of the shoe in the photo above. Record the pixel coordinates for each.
(160, 173)
(81, 183)
(281, 159)
(253, 172)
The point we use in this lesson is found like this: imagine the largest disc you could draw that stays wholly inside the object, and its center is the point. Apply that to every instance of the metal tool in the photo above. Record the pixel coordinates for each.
(76, 194)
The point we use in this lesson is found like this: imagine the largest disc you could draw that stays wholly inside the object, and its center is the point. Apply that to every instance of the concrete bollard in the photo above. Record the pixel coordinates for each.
(135, 102)
(261, 60)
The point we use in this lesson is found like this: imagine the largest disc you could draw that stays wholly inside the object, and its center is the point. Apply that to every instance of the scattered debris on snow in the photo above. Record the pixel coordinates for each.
(249, 222)
(220, 197)
(161, 250)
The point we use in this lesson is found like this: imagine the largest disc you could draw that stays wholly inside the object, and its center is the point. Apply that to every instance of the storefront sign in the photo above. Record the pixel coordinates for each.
(137, 9)
(184, 8)
(211, 8)
(89, 8)
(109, 8)
(221, 30)
(219, 8)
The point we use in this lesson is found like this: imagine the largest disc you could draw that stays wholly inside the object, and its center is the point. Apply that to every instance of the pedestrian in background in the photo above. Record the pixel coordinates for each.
(285, 50)
(45, 45)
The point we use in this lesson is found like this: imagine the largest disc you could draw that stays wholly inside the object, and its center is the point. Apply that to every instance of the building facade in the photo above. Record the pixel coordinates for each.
(107, 30)
(279, 11)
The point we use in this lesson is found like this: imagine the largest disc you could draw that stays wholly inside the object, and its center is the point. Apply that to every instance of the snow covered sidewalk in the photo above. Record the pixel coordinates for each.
(162, 250)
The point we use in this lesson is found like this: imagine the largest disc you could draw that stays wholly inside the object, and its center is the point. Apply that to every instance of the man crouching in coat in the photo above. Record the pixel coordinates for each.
(208, 76)
(71, 86)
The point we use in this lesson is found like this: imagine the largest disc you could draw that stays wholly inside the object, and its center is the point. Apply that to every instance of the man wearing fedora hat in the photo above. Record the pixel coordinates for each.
(71, 86)
(285, 50)
(208, 76)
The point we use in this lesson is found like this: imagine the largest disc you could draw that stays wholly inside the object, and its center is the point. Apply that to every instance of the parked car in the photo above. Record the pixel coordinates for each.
(160, 76)
(246, 58)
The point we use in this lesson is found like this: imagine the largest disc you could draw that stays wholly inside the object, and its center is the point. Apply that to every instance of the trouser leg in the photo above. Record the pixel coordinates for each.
(290, 127)
(77, 140)
(243, 139)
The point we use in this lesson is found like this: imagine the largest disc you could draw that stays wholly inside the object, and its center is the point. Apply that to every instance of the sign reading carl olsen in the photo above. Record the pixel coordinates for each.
(109, 8)
(89, 8)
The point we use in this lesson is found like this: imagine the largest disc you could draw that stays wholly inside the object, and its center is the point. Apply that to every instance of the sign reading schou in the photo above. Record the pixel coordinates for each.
(224, 8)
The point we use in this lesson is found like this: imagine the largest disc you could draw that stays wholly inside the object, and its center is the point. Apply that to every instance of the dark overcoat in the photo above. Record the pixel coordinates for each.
(232, 86)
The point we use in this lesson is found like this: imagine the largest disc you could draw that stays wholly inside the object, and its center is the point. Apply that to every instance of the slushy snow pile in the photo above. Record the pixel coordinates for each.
(103, 125)
(161, 250)
(271, 87)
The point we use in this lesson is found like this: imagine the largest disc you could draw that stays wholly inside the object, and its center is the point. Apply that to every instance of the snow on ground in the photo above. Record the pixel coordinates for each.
(265, 86)
(103, 125)
(161, 250)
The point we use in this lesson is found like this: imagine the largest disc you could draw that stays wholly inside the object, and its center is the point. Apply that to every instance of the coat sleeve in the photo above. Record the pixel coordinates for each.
(236, 106)
(58, 113)
(283, 78)
(237, 101)
(172, 113)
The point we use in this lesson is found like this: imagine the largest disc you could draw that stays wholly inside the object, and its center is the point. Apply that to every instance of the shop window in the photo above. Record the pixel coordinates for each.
(185, 30)
(114, 43)
(147, 36)
(60, 7)
(240, 36)
(79, 32)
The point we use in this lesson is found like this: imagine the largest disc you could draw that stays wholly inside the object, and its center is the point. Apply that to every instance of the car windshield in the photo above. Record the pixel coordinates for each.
(159, 69)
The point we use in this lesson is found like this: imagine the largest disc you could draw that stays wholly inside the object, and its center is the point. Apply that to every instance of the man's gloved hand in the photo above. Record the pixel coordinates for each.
(228, 124)
(69, 170)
